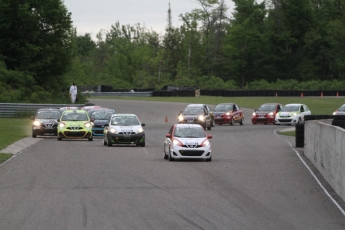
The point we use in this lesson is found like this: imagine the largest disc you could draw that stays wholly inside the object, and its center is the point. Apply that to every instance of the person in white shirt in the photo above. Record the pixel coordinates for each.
(73, 92)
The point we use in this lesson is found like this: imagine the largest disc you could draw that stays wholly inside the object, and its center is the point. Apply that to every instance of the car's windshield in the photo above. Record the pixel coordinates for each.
(193, 111)
(101, 115)
(75, 117)
(267, 107)
(124, 121)
(48, 115)
(223, 108)
(290, 108)
(189, 132)
(342, 108)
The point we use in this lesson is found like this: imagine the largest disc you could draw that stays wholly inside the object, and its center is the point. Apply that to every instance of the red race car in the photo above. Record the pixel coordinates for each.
(266, 113)
(228, 113)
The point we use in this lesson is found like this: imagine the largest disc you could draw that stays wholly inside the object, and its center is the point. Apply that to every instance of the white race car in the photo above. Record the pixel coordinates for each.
(187, 141)
(292, 114)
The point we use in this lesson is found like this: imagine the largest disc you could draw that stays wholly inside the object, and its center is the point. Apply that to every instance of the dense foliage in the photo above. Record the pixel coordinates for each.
(269, 44)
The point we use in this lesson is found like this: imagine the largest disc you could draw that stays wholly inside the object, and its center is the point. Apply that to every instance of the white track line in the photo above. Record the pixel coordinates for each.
(312, 173)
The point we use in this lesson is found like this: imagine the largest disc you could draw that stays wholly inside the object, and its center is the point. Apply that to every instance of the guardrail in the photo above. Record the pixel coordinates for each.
(123, 94)
(26, 109)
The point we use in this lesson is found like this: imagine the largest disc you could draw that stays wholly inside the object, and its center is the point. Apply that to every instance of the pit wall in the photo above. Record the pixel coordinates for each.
(325, 148)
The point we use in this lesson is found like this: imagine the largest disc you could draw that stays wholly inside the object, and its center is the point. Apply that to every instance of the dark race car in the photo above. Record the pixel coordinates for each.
(266, 113)
(100, 118)
(196, 115)
(45, 122)
(228, 113)
(124, 129)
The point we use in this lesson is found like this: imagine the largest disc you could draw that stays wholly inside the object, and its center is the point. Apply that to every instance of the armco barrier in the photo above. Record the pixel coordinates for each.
(26, 109)
(325, 148)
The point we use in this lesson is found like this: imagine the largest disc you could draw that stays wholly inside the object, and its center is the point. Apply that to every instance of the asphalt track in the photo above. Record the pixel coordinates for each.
(255, 181)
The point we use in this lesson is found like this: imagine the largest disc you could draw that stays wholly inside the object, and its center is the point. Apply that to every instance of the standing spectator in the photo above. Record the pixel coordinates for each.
(73, 92)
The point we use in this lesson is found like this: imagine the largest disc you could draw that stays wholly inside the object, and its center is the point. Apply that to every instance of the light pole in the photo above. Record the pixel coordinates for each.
(159, 71)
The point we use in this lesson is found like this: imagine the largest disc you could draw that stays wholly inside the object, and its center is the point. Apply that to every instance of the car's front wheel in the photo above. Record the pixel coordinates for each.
(59, 138)
(104, 142)
(109, 143)
(232, 121)
(209, 159)
(169, 156)
(242, 121)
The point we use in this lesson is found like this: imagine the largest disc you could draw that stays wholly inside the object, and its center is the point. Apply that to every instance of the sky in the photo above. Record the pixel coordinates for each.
(91, 16)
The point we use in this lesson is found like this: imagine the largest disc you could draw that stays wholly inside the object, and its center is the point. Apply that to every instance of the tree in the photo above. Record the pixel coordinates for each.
(36, 38)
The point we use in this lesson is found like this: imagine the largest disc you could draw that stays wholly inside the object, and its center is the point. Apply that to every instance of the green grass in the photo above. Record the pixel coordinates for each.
(4, 157)
(317, 105)
(13, 129)
(288, 133)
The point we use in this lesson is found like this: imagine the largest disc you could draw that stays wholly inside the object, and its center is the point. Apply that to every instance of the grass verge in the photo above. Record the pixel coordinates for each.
(288, 133)
(12, 130)
(4, 157)
(317, 105)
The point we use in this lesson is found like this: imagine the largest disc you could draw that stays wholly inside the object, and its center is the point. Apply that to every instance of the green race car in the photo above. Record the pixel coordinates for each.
(74, 124)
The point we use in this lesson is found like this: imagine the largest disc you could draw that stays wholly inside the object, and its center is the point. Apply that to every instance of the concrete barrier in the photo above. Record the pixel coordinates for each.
(325, 148)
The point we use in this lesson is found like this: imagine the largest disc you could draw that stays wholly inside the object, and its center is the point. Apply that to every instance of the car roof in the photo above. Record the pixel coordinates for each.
(123, 114)
(195, 105)
(49, 109)
(187, 125)
(228, 103)
(294, 104)
(74, 110)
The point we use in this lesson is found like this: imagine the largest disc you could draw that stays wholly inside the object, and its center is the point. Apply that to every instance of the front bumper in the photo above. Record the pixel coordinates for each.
(263, 120)
(287, 120)
(138, 138)
(179, 152)
(44, 131)
(98, 131)
(75, 134)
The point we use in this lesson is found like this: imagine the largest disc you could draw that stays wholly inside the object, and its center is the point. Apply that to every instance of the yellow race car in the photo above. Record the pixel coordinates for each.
(74, 124)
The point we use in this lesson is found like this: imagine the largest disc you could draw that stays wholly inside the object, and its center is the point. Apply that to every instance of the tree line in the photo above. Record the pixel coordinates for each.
(259, 45)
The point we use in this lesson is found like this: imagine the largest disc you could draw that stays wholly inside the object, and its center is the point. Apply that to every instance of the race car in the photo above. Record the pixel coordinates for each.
(292, 114)
(266, 113)
(74, 124)
(196, 115)
(187, 141)
(100, 117)
(45, 122)
(124, 129)
(340, 110)
(228, 113)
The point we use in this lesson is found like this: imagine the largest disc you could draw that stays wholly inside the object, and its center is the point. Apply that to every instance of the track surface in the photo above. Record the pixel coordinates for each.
(255, 181)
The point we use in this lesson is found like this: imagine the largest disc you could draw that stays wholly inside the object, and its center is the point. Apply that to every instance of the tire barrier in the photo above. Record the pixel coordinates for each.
(299, 135)
(339, 120)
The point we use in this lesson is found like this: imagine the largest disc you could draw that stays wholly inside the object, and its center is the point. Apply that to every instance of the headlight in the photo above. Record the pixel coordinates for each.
(254, 114)
(335, 113)
(294, 114)
(201, 118)
(227, 114)
(112, 130)
(87, 125)
(61, 124)
(36, 123)
(270, 114)
(140, 130)
(205, 143)
(176, 142)
(180, 118)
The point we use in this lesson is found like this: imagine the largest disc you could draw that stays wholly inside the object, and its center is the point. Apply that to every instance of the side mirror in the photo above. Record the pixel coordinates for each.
(106, 125)
(58, 120)
(142, 124)
(209, 136)
(168, 135)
